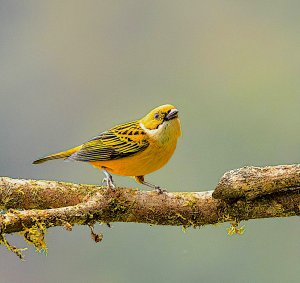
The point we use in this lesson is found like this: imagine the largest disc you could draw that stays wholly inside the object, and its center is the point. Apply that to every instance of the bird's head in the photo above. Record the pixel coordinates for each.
(162, 120)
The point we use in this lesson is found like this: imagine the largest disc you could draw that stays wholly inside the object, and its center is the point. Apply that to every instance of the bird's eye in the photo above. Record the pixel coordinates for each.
(156, 116)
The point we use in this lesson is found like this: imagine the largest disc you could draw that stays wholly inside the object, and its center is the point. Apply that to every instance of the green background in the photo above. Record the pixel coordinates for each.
(71, 69)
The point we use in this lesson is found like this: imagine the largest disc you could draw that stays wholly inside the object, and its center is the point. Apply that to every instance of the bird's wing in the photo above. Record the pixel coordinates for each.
(121, 141)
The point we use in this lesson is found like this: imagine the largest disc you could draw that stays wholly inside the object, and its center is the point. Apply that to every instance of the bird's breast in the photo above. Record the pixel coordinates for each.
(155, 156)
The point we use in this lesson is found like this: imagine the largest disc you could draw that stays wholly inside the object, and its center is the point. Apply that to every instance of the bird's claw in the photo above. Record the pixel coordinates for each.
(108, 180)
(109, 183)
(159, 190)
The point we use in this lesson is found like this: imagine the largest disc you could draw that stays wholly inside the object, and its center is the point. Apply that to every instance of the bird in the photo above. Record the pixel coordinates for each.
(132, 149)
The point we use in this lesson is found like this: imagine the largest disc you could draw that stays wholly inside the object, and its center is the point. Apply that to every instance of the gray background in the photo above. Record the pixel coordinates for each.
(71, 69)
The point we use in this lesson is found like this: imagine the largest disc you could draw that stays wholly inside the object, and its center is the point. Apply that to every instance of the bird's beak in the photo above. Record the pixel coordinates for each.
(171, 115)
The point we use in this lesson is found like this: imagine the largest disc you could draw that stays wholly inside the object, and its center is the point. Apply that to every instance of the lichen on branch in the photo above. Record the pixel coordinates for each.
(32, 206)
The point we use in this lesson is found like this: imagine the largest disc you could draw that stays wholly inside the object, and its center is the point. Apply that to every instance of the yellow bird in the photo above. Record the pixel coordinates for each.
(132, 149)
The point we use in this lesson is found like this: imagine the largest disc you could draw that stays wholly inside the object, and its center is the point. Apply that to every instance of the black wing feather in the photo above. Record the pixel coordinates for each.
(113, 144)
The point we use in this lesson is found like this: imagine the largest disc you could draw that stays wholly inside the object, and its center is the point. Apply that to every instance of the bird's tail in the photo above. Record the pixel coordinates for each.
(59, 155)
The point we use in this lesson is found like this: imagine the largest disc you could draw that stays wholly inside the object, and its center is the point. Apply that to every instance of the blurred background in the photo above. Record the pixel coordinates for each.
(71, 69)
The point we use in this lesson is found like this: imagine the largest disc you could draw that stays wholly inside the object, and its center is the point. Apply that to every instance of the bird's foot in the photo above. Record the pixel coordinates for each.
(108, 180)
(141, 180)
(159, 190)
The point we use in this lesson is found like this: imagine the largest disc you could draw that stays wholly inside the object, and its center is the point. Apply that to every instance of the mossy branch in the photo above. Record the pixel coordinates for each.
(31, 206)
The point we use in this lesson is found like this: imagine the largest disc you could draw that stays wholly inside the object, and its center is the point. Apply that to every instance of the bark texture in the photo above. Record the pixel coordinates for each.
(31, 206)
(252, 182)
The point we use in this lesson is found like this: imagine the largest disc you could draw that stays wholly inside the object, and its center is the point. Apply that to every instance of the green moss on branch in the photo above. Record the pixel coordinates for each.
(33, 206)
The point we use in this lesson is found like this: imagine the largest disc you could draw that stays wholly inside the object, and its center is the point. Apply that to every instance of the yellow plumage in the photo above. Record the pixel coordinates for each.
(132, 149)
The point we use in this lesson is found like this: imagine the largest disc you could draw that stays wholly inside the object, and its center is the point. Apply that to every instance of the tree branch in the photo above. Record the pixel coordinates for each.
(251, 182)
(242, 194)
